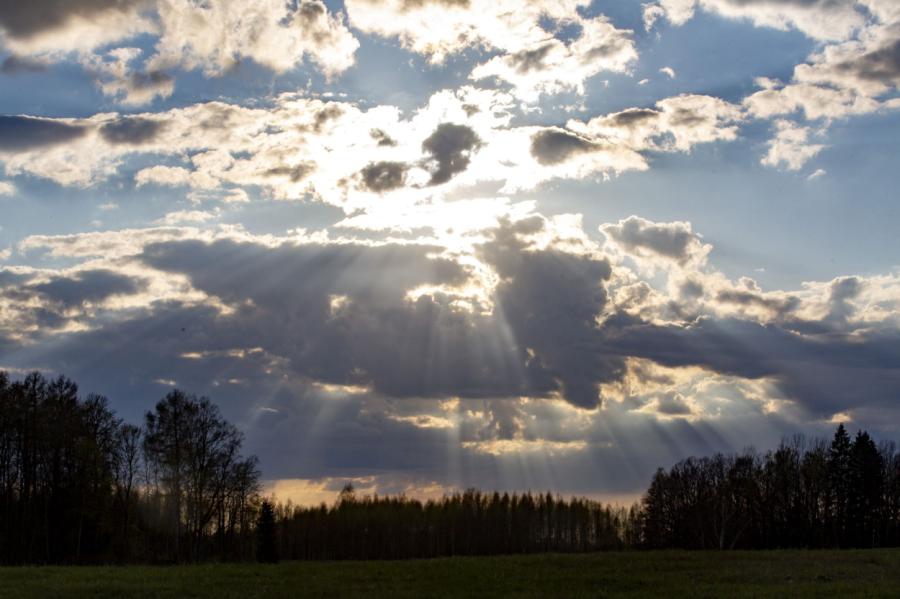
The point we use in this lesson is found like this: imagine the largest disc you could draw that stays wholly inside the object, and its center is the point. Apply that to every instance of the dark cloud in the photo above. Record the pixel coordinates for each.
(23, 133)
(538, 342)
(687, 117)
(450, 148)
(554, 145)
(551, 300)
(632, 117)
(323, 115)
(87, 286)
(527, 61)
(825, 373)
(132, 130)
(9, 278)
(881, 65)
(384, 176)
(14, 65)
(778, 306)
(672, 404)
(673, 240)
(295, 173)
(150, 80)
(22, 20)
(383, 139)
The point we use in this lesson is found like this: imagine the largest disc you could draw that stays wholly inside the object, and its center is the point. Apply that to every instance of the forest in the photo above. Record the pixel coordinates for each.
(79, 485)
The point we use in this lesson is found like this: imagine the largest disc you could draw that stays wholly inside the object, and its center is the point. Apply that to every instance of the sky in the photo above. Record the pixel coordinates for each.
(426, 245)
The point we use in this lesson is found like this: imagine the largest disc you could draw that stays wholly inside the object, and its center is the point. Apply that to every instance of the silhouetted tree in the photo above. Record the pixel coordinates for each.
(267, 546)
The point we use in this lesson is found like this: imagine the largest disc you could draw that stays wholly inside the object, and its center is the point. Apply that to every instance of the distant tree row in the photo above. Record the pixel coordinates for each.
(469, 523)
(845, 493)
(77, 484)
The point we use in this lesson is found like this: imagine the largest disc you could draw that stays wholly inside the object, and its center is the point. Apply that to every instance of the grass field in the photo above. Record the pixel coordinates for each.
(871, 573)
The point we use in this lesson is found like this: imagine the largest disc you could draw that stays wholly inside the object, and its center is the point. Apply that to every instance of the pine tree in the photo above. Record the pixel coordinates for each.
(266, 550)
(839, 479)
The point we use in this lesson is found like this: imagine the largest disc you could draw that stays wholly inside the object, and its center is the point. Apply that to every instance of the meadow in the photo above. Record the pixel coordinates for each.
(853, 573)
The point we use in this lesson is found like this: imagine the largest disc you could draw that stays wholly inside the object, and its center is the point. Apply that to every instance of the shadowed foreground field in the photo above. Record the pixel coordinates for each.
(672, 574)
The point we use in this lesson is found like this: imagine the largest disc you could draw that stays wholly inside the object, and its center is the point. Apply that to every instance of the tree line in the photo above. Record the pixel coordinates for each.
(80, 485)
(806, 493)
(468, 523)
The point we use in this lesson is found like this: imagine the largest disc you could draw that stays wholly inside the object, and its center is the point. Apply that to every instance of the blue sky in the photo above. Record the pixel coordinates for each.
(431, 244)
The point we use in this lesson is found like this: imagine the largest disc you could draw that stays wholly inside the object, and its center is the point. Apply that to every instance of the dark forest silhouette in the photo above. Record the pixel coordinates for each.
(79, 485)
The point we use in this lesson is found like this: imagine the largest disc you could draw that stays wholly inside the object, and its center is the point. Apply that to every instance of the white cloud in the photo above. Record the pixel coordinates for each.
(117, 78)
(535, 56)
(181, 217)
(819, 19)
(790, 147)
(211, 36)
(7, 188)
(215, 35)
(676, 124)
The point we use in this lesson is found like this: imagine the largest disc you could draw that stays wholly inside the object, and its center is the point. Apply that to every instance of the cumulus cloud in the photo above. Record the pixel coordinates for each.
(820, 19)
(14, 65)
(790, 147)
(23, 133)
(213, 37)
(674, 241)
(117, 77)
(675, 124)
(449, 151)
(554, 145)
(48, 26)
(7, 188)
(538, 52)
(384, 176)
(131, 130)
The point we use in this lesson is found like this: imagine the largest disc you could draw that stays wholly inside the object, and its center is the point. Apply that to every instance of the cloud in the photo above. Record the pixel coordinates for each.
(449, 149)
(117, 77)
(384, 176)
(544, 47)
(86, 286)
(278, 35)
(675, 124)
(14, 65)
(552, 146)
(131, 130)
(7, 188)
(870, 66)
(674, 241)
(790, 147)
(48, 26)
(23, 133)
(819, 19)
(213, 37)
(180, 217)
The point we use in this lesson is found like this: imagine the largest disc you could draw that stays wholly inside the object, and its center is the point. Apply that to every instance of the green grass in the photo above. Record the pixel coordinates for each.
(871, 573)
